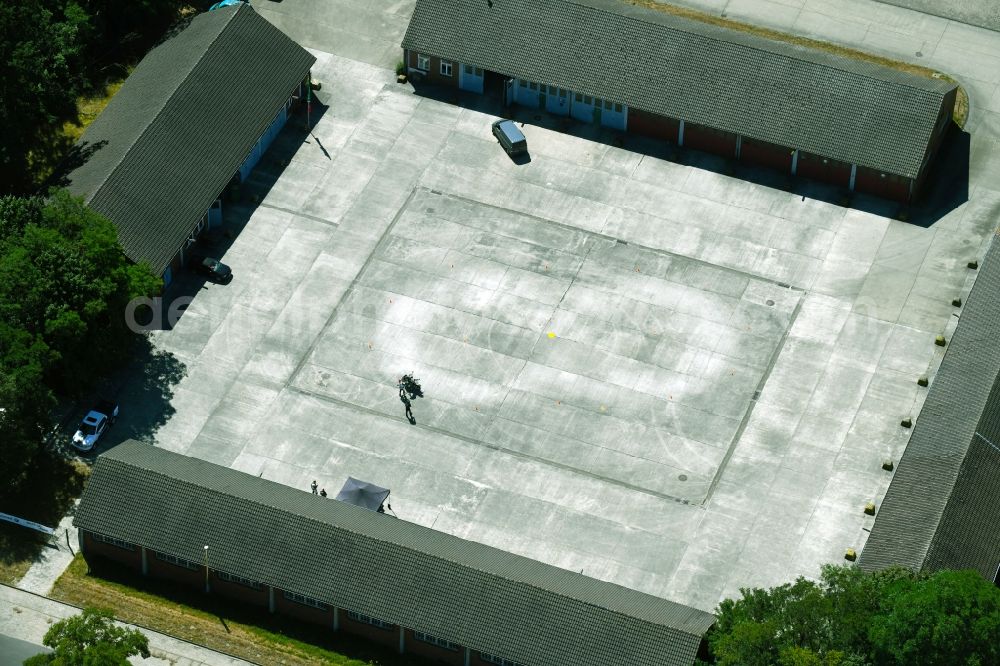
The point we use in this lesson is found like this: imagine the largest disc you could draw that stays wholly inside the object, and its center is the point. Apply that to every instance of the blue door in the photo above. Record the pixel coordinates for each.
(215, 214)
(557, 101)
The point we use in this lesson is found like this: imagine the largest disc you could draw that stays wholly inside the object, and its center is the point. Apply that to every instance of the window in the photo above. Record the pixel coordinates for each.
(562, 92)
(499, 661)
(178, 561)
(239, 580)
(434, 640)
(607, 105)
(125, 545)
(524, 84)
(533, 86)
(479, 71)
(306, 601)
(618, 108)
(552, 90)
(423, 62)
(587, 99)
(578, 97)
(468, 69)
(445, 68)
(364, 619)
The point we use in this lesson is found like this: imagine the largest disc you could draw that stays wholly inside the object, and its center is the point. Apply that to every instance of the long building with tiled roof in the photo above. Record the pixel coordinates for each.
(197, 111)
(942, 509)
(854, 123)
(352, 569)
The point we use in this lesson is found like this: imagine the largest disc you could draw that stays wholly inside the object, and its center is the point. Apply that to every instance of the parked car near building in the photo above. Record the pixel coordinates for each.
(94, 424)
(214, 270)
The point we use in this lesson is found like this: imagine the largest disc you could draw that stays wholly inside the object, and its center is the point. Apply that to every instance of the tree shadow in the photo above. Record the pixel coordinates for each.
(947, 186)
(48, 493)
(143, 388)
(73, 157)
(145, 398)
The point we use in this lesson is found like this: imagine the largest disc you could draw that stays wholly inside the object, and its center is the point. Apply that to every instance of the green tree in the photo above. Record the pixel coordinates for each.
(123, 30)
(64, 287)
(25, 400)
(951, 618)
(65, 281)
(40, 48)
(849, 618)
(91, 639)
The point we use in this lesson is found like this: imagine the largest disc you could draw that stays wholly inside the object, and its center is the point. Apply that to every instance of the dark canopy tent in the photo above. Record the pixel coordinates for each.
(363, 494)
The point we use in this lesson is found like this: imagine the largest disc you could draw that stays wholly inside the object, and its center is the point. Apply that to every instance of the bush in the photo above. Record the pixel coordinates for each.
(850, 618)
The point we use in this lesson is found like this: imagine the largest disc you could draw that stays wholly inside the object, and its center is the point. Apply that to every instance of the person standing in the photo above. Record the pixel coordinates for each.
(314, 486)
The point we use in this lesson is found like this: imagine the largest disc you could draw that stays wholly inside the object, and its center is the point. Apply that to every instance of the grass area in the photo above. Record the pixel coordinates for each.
(960, 114)
(55, 147)
(52, 485)
(18, 548)
(88, 108)
(227, 626)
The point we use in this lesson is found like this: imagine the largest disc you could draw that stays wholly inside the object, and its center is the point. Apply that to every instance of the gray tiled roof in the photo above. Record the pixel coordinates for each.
(371, 563)
(182, 124)
(772, 91)
(942, 509)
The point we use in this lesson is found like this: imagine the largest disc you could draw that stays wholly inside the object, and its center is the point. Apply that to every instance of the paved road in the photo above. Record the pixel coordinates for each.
(368, 32)
(26, 617)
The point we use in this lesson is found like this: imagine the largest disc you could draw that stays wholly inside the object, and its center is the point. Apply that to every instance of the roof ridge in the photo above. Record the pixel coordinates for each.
(201, 463)
(750, 37)
(173, 92)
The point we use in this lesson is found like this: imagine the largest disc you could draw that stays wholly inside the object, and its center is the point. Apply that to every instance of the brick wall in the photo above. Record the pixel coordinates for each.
(651, 124)
(891, 186)
(239, 592)
(824, 169)
(130, 558)
(162, 569)
(698, 137)
(388, 636)
(766, 154)
(302, 611)
(434, 652)
(433, 74)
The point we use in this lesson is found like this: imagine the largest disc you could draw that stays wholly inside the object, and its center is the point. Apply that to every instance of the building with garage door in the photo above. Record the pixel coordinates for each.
(942, 509)
(851, 123)
(198, 111)
(359, 571)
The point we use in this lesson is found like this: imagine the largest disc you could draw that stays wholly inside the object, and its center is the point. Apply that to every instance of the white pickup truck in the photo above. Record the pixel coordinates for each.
(94, 424)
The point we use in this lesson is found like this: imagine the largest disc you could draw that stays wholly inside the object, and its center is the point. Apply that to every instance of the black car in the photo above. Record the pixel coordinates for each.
(214, 270)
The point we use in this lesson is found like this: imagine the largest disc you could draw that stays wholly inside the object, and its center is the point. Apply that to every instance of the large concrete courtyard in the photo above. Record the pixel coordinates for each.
(647, 371)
